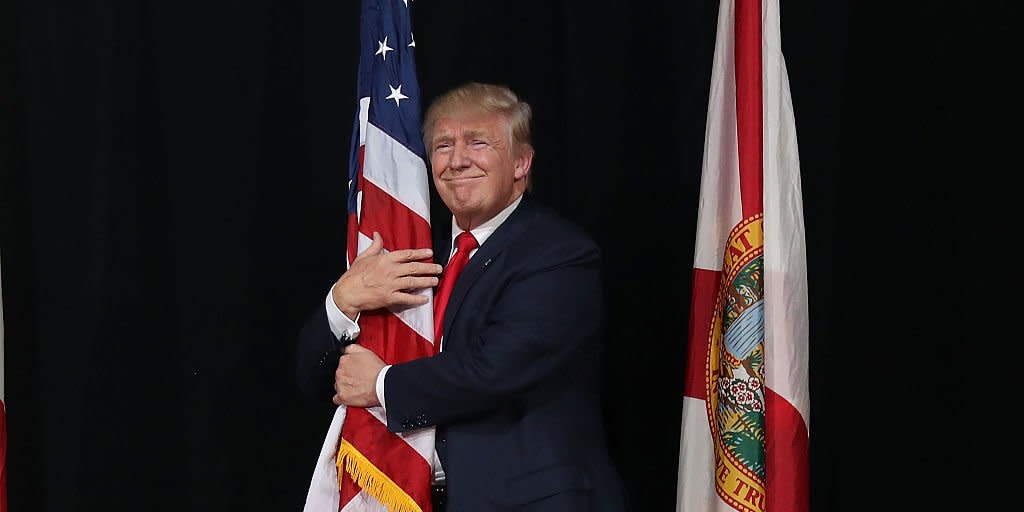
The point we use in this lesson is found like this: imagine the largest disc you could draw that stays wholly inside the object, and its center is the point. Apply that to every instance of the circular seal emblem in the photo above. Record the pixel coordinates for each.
(734, 374)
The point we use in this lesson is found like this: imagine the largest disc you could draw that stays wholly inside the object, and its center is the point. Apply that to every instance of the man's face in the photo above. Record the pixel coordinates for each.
(476, 170)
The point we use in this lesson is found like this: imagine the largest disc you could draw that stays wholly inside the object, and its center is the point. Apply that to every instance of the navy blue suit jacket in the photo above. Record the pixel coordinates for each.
(515, 392)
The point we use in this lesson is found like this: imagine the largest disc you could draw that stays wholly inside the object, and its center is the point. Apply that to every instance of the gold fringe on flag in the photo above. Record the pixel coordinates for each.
(372, 480)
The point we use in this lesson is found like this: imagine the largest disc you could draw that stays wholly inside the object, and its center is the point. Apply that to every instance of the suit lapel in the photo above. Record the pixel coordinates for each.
(509, 230)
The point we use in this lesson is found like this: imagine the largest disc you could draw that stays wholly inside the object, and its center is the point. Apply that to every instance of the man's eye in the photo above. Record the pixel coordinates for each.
(442, 146)
(479, 143)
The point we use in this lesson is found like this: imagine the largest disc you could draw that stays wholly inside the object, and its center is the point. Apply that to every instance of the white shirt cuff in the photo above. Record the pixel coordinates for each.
(341, 325)
(380, 386)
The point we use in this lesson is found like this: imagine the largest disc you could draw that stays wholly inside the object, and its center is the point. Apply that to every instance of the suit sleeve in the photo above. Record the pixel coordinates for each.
(316, 357)
(545, 316)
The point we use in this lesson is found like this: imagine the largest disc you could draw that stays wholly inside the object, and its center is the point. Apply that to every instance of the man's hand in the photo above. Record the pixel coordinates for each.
(378, 279)
(355, 380)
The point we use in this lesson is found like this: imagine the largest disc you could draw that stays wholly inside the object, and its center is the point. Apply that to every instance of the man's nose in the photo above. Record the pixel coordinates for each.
(460, 157)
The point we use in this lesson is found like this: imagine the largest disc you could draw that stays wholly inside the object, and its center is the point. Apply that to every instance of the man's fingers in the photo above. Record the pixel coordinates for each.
(354, 348)
(408, 299)
(375, 247)
(407, 255)
(417, 282)
(420, 269)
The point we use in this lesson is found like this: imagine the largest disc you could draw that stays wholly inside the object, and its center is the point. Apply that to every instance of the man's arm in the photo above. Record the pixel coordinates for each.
(540, 323)
(317, 356)
(379, 279)
(376, 279)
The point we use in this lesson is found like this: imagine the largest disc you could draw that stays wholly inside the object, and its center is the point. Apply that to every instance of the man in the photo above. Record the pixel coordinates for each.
(513, 391)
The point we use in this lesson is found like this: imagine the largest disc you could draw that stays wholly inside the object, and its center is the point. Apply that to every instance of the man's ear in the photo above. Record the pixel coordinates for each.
(523, 162)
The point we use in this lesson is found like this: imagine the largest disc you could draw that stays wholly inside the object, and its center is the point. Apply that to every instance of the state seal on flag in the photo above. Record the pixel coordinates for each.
(735, 370)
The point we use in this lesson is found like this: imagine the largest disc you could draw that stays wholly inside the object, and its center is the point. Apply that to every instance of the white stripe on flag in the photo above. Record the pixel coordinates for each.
(397, 171)
(364, 116)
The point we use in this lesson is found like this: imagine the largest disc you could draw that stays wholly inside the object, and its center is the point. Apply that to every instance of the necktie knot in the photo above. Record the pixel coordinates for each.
(465, 242)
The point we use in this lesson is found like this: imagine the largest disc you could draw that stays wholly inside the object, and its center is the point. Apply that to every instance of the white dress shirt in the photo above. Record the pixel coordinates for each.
(341, 324)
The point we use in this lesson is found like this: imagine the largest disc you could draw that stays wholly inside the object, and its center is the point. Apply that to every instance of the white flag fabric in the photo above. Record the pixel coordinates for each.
(745, 431)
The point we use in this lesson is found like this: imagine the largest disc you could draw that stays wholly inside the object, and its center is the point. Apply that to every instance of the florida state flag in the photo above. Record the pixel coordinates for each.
(744, 441)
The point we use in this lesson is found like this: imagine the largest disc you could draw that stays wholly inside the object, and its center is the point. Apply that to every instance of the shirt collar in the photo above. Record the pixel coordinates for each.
(485, 230)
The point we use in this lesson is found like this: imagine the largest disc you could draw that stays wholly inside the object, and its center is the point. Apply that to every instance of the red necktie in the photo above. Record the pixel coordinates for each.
(464, 244)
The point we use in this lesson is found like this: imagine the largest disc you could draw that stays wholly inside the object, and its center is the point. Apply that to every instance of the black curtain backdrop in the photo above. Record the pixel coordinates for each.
(172, 204)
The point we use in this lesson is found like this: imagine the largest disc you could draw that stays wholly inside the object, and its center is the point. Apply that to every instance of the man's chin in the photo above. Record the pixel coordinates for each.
(461, 197)
(464, 209)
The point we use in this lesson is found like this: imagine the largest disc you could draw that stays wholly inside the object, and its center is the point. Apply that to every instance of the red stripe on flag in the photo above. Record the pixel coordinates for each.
(748, 104)
(390, 338)
(393, 456)
(705, 289)
(786, 456)
(348, 489)
(396, 223)
(352, 238)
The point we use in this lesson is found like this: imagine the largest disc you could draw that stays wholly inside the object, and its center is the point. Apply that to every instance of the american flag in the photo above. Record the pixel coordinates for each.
(362, 466)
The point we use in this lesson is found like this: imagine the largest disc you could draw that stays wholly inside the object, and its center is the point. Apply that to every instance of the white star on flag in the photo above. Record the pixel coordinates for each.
(413, 43)
(383, 49)
(396, 94)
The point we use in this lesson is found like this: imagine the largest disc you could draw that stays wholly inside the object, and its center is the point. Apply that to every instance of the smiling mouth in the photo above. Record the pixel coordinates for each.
(463, 178)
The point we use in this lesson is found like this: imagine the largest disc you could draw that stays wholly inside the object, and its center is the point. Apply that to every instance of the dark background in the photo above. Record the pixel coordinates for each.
(172, 208)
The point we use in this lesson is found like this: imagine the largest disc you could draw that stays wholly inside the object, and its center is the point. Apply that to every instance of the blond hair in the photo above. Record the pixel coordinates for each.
(479, 98)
